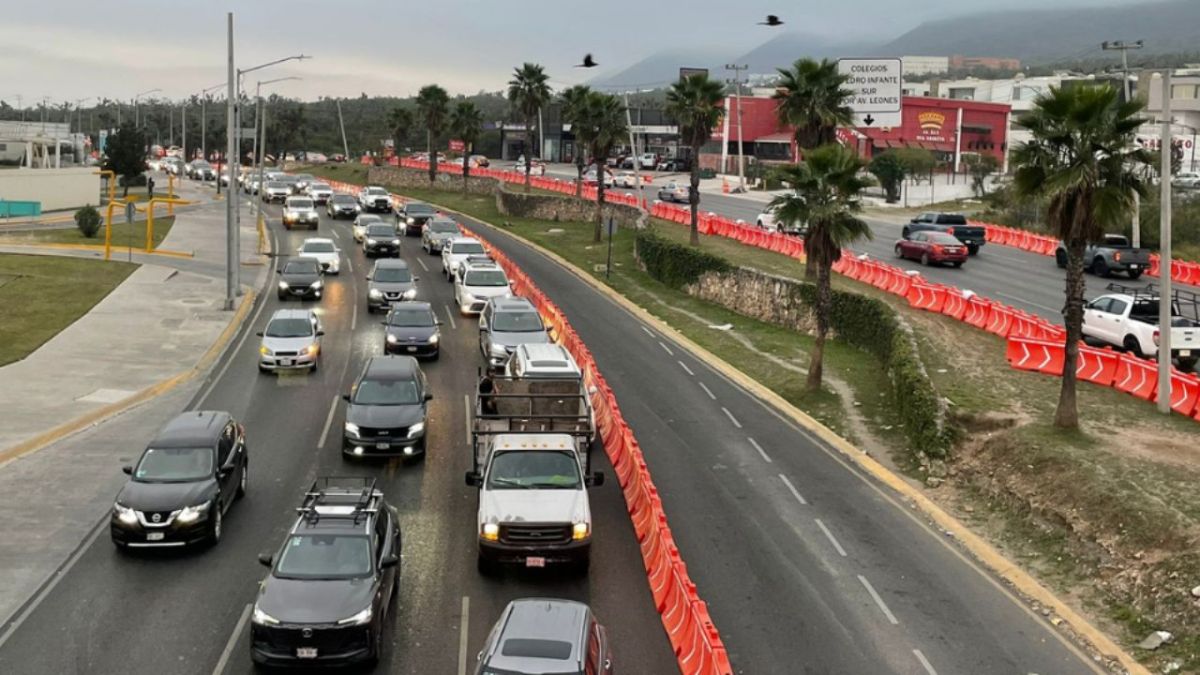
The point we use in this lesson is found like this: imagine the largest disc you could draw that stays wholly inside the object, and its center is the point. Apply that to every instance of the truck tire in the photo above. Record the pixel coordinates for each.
(1100, 268)
(1187, 363)
(1132, 346)
(972, 249)
(1135, 274)
(1060, 258)
(486, 567)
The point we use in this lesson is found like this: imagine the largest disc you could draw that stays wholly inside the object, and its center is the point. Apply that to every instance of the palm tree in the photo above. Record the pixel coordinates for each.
(600, 123)
(465, 123)
(694, 103)
(827, 189)
(573, 100)
(1084, 162)
(812, 99)
(400, 121)
(432, 103)
(528, 92)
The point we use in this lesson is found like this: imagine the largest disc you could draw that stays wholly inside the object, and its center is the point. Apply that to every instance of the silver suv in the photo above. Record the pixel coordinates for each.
(505, 324)
(544, 635)
(291, 341)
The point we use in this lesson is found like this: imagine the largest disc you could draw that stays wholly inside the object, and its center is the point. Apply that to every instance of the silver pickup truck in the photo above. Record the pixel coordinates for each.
(1111, 254)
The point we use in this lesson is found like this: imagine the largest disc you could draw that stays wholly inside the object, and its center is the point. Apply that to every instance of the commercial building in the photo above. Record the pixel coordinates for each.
(925, 65)
(959, 62)
(652, 132)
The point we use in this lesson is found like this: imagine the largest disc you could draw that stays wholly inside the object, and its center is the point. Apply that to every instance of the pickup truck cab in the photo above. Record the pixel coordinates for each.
(1111, 254)
(973, 236)
(375, 199)
(1129, 319)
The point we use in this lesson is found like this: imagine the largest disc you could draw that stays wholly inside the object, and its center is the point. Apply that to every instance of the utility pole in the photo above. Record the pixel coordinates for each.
(737, 83)
(1124, 47)
(342, 124)
(637, 165)
(183, 133)
(231, 233)
(1165, 298)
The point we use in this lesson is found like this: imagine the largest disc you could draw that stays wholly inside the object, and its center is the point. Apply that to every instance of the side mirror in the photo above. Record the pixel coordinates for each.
(437, 322)
(474, 479)
(368, 277)
(320, 333)
(428, 396)
(389, 561)
(346, 398)
(596, 479)
(128, 469)
(416, 278)
(278, 271)
(224, 471)
(259, 333)
(266, 559)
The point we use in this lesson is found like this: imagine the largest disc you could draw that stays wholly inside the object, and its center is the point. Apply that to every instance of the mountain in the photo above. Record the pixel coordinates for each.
(782, 50)
(1041, 36)
(662, 68)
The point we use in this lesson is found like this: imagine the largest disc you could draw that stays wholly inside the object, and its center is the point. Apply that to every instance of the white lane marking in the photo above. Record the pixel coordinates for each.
(879, 601)
(467, 415)
(733, 419)
(1028, 302)
(795, 492)
(666, 349)
(450, 313)
(59, 575)
(463, 624)
(422, 264)
(760, 450)
(233, 640)
(924, 662)
(707, 391)
(336, 235)
(647, 331)
(328, 422)
(354, 317)
(349, 264)
(841, 551)
(684, 366)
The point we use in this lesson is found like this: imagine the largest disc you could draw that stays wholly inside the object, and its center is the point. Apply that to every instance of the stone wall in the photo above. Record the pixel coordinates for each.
(758, 295)
(399, 178)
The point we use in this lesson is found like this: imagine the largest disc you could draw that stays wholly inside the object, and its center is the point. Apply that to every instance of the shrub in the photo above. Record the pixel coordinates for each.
(87, 219)
(674, 264)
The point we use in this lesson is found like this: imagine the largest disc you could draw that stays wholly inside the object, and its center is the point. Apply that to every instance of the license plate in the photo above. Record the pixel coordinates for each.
(306, 652)
(535, 561)
(285, 362)
(1185, 352)
(382, 446)
(412, 349)
(154, 536)
(1134, 267)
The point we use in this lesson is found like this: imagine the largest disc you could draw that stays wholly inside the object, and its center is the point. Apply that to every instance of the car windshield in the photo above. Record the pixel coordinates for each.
(289, 328)
(276, 185)
(466, 248)
(392, 274)
(319, 186)
(443, 228)
(377, 192)
(418, 209)
(380, 230)
(942, 238)
(518, 322)
(386, 392)
(174, 465)
(318, 247)
(410, 318)
(489, 278)
(312, 556)
(523, 469)
(343, 199)
(365, 220)
(301, 267)
(300, 204)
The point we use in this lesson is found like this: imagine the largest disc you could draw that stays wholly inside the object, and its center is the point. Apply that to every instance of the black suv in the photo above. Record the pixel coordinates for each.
(332, 582)
(413, 216)
(300, 277)
(380, 239)
(183, 484)
(386, 408)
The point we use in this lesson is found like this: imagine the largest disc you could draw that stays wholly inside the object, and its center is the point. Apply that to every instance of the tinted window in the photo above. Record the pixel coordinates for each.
(289, 328)
(518, 322)
(301, 267)
(225, 445)
(167, 465)
(343, 199)
(518, 469)
(952, 219)
(387, 392)
(392, 274)
(324, 557)
(1117, 306)
(466, 248)
(410, 318)
(418, 209)
(380, 230)
(487, 278)
(443, 228)
(318, 247)
(536, 649)
(300, 204)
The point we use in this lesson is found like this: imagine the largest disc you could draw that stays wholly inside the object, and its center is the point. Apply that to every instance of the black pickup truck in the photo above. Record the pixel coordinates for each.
(973, 236)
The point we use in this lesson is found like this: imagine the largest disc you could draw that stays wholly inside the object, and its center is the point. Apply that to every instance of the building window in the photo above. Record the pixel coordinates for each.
(1183, 91)
(963, 93)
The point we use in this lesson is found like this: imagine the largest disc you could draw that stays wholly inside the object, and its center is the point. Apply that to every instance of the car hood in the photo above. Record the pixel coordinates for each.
(533, 506)
(166, 496)
(514, 339)
(391, 286)
(487, 291)
(314, 600)
(442, 235)
(387, 416)
(299, 279)
(280, 344)
(344, 207)
(323, 257)
(300, 212)
(412, 333)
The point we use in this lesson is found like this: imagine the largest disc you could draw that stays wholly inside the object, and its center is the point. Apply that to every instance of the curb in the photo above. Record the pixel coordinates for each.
(95, 247)
(105, 412)
(980, 550)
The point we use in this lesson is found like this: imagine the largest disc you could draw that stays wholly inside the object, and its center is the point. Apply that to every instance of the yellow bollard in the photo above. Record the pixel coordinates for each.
(108, 230)
(112, 182)
(170, 202)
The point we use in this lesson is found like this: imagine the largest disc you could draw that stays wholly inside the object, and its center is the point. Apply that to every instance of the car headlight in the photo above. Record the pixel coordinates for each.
(264, 350)
(191, 514)
(311, 350)
(433, 340)
(283, 285)
(412, 221)
(410, 294)
(581, 531)
(317, 285)
(416, 429)
(498, 350)
(358, 619)
(370, 241)
(262, 618)
(351, 428)
(490, 531)
(124, 513)
(392, 339)
(395, 242)
(374, 294)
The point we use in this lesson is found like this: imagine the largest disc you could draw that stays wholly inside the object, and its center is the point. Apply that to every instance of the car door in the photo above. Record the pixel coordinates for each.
(226, 478)
(1116, 321)
(1094, 318)
(384, 547)
(485, 335)
(912, 245)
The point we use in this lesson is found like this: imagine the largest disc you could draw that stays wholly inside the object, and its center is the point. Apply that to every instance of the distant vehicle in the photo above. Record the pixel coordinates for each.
(766, 220)
(299, 211)
(319, 192)
(315, 157)
(173, 165)
(381, 239)
(647, 161)
(337, 157)
(1128, 318)
(973, 236)
(674, 164)
(390, 282)
(589, 178)
(300, 278)
(303, 180)
(412, 328)
(505, 324)
(182, 485)
(413, 216)
(333, 582)
(1112, 254)
(324, 251)
(535, 169)
(200, 170)
(375, 199)
(437, 232)
(478, 282)
(276, 191)
(291, 340)
(1186, 180)
(626, 179)
(361, 221)
(386, 409)
(674, 192)
(155, 163)
(481, 160)
(341, 205)
(933, 248)
(521, 640)
(455, 252)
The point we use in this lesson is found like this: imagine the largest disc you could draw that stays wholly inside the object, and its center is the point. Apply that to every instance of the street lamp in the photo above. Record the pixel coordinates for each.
(137, 120)
(204, 120)
(260, 147)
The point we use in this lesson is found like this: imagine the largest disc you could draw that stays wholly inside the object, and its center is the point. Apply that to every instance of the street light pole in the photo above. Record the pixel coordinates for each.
(260, 147)
(737, 83)
(1165, 303)
(1124, 47)
(231, 234)
(137, 117)
(204, 120)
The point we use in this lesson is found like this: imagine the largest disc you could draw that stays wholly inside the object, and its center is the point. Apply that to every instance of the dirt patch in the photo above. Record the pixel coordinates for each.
(1161, 446)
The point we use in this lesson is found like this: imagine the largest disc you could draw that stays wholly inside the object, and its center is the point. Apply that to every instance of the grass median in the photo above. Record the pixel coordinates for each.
(41, 295)
(124, 235)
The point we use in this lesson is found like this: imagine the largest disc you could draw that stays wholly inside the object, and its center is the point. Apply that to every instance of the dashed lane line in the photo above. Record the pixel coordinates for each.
(879, 601)
(707, 391)
(666, 348)
(924, 662)
(792, 488)
(450, 314)
(760, 450)
(733, 419)
(647, 331)
(463, 623)
(685, 368)
(829, 535)
(328, 422)
(232, 642)
(422, 264)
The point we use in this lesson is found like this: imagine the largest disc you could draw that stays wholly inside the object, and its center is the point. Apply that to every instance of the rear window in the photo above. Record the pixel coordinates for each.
(536, 649)
(942, 238)
(418, 209)
(952, 219)
(466, 247)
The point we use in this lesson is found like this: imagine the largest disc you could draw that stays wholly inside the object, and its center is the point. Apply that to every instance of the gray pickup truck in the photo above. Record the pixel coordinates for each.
(1111, 254)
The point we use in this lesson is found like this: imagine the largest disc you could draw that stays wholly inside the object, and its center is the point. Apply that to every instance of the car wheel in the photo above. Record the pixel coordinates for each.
(214, 534)
(1100, 268)
(925, 259)
(1187, 363)
(1060, 259)
(899, 251)
(241, 489)
(1132, 346)
(1135, 274)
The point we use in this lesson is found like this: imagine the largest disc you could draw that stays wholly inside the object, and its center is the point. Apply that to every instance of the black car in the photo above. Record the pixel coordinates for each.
(341, 205)
(412, 328)
(413, 216)
(332, 583)
(386, 409)
(381, 239)
(301, 278)
(184, 482)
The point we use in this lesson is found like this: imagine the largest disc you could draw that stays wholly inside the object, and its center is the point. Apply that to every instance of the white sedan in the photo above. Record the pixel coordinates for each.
(626, 179)
(325, 251)
(535, 169)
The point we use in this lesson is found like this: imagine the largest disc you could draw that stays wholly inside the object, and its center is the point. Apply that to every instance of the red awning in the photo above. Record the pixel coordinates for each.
(781, 137)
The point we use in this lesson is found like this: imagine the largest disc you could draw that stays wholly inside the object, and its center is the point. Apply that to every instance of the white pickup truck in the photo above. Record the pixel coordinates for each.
(1128, 319)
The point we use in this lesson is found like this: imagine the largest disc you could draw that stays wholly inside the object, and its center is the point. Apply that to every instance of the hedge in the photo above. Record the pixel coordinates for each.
(673, 264)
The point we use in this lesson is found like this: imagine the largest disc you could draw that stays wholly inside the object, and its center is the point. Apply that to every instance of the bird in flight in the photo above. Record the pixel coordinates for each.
(772, 20)
(588, 62)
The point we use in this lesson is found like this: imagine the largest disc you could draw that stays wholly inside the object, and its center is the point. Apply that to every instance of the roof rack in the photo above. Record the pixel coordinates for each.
(1181, 298)
(359, 488)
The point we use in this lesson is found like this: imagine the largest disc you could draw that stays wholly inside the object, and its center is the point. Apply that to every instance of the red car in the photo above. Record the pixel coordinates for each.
(933, 247)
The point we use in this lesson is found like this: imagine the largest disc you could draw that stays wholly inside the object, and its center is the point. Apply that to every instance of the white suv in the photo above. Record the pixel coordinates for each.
(455, 252)
(477, 283)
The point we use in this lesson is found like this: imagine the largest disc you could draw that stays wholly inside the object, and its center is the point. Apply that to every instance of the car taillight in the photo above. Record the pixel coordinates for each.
(937, 248)
(950, 230)
(1117, 256)
(1156, 338)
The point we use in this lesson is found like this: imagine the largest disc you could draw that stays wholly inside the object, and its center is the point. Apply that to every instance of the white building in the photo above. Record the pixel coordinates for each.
(1185, 99)
(925, 65)
(36, 144)
(914, 88)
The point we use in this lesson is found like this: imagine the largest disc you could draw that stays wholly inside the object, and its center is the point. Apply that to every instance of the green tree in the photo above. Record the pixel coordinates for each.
(694, 102)
(826, 194)
(890, 172)
(980, 167)
(126, 154)
(601, 124)
(918, 162)
(1083, 160)
(573, 101)
(433, 103)
(813, 100)
(528, 91)
(465, 123)
(400, 122)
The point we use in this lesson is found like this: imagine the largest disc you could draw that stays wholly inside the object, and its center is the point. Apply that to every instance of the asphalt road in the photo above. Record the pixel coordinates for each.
(808, 566)
(187, 612)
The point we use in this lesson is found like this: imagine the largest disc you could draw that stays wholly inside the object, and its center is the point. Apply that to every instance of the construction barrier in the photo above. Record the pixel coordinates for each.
(1098, 366)
(1041, 356)
(1137, 376)
(1185, 392)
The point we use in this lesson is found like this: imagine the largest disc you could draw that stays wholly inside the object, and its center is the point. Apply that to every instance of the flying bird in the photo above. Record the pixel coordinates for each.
(772, 20)
(588, 62)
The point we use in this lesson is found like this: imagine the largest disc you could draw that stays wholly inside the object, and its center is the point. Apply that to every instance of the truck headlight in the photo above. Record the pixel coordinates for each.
(262, 618)
(124, 513)
(416, 429)
(490, 531)
(358, 619)
(581, 531)
(374, 294)
(410, 294)
(191, 514)
(351, 429)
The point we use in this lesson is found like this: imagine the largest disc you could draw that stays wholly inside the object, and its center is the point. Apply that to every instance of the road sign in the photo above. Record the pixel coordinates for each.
(685, 73)
(876, 87)
(457, 145)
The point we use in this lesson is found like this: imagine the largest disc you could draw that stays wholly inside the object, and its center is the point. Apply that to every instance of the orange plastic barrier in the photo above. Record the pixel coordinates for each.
(956, 304)
(1185, 393)
(925, 296)
(1137, 376)
(1038, 355)
(999, 320)
(1098, 366)
(978, 311)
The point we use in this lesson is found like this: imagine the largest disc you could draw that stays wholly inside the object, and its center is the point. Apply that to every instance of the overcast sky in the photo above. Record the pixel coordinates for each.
(72, 49)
